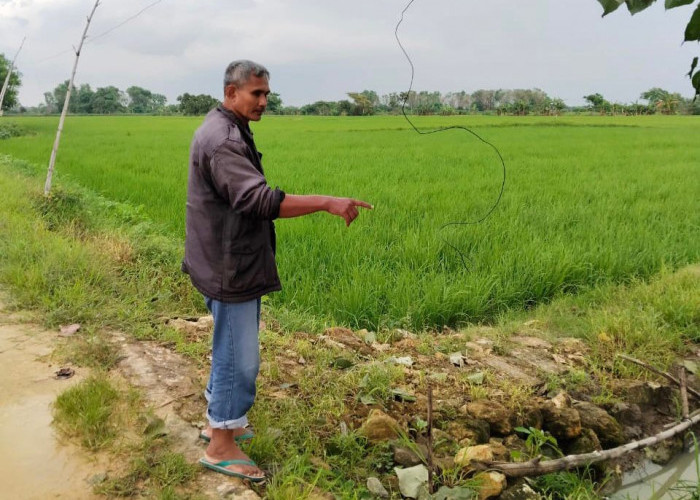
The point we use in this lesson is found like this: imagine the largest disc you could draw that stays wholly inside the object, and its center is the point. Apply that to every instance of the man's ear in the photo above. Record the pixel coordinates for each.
(230, 91)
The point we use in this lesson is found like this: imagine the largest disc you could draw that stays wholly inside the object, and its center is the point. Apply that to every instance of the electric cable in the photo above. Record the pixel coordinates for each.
(443, 129)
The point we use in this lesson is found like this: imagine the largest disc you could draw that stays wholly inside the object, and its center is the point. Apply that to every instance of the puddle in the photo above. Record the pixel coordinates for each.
(33, 464)
(656, 482)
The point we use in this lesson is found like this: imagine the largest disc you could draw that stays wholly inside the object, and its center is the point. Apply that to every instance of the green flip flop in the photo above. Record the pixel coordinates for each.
(221, 467)
(239, 439)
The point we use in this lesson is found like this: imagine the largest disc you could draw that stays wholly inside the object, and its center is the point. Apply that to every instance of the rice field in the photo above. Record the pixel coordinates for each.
(588, 200)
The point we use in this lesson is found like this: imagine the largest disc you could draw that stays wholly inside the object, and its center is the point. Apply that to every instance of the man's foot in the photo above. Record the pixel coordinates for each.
(223, 455)
(241, 434)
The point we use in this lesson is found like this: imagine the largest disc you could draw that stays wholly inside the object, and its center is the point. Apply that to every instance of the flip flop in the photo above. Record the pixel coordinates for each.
(239, 439)
(221, 467)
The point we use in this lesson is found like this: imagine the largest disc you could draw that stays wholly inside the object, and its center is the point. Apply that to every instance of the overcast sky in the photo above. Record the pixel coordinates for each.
(321, 49)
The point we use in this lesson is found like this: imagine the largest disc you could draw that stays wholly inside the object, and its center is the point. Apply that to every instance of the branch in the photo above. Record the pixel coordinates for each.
(536, 467)
(666, 375)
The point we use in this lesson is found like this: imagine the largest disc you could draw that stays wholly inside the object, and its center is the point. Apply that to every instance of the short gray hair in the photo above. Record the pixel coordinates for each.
(239, 72)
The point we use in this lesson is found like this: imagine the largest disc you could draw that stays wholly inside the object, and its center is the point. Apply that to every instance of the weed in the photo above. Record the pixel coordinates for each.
(539, 441)
(86, 412)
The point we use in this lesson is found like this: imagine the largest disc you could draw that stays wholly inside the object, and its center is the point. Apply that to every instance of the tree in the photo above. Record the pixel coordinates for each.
(196, 104)
(274, 103)
(662, 100)
(363, 103)
(10, 99)
(83, 100)
(692, 30)
(144, 101)
(108, 100)
(598, 102)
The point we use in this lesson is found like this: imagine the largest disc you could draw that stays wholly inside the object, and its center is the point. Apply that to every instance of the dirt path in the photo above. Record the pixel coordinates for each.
(33, 464)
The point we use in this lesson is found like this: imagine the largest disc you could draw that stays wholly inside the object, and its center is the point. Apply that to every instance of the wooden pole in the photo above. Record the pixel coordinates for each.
(430, 438)
(537, 467)
(667, 376)
(52, 161)
(9, 74)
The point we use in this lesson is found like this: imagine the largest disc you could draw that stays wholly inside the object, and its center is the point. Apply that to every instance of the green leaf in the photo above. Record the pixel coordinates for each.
(696, 84)
(692, 31)
(635, 6)
(692, 67)
(610, 5)
(672, 4)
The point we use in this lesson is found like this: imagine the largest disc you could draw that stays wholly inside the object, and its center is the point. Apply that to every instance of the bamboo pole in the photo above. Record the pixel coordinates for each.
(9, 74)
(667, 376)
(54, 151)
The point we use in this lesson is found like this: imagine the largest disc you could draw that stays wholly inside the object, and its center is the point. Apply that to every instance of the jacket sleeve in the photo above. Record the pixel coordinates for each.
(236, 180)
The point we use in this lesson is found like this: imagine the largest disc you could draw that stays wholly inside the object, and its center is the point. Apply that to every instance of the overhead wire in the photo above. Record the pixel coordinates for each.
(443, 129)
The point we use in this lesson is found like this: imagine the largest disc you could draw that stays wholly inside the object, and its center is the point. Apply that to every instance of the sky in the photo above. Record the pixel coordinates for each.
(322, 49)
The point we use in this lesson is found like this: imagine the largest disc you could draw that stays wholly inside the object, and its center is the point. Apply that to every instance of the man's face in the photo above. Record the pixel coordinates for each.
(250, 100)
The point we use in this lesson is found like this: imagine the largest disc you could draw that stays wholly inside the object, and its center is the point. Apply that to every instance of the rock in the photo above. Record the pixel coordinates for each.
(627, 414)
(491, 484)
(479, 453)
(562, 400)
(665, 451)
(532, 417)
(456, 493)
(379, 427)
(500, 452)
(642, 393)
(411, 480)
(376, 488)
(520, 491)
(406, 457)
(608, 430)
(469, 428)
(587, 442)
(444, 443)
(236, 491)
(403, 360)
(457, 359)
(498, 417)
(562, 423)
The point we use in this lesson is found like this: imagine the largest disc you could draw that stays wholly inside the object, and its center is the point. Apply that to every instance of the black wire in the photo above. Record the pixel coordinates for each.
(442, 129)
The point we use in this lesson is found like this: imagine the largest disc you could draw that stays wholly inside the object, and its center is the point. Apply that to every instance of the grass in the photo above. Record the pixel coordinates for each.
(589, 200)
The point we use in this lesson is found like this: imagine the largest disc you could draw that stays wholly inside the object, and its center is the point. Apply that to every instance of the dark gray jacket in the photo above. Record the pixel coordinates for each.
(230, 236)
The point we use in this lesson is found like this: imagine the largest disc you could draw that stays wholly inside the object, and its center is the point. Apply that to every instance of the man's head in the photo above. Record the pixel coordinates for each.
(246, 86)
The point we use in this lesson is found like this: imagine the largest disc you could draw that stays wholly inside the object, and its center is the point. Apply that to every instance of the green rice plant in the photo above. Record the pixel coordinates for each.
(589, 201)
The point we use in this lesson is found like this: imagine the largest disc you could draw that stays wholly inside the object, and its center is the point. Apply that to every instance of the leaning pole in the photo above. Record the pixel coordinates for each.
(52, 161)
(9, 74)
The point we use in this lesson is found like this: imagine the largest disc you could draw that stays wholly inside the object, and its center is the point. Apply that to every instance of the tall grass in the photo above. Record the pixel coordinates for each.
(588, 200)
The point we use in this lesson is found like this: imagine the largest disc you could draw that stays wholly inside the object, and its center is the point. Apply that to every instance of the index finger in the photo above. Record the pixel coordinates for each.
(362, 204)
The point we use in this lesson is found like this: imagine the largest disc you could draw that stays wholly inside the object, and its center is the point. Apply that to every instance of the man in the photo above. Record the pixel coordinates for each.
(230, 254)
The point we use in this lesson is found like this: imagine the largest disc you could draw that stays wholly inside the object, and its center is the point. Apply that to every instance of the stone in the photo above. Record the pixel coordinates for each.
(406, 457)
(642, 393)
(497, 416)
(491, 484)
(608, 430)
(520, 491)
(411, 480)
(500, 452)
(376, 488)
(457, 359)
(665, 451)
(456, 493)
(379, 427)
(443, 443)
(562, 400)
(562, 423)
(627, 414)
(587, 442)
(469, 428)
(402, 360)
(479, 453)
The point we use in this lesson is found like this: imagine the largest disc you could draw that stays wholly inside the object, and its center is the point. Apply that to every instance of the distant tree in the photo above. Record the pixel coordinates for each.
(662, 100)
(10, 99)
(59, 97)
(598, 102)
(363, 103)
(196, 104)
(274, 103)
(108, 100)
(144, 101)
(82, 100)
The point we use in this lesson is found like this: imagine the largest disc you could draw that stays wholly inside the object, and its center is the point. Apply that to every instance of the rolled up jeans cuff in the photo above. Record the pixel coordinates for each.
(238, 423)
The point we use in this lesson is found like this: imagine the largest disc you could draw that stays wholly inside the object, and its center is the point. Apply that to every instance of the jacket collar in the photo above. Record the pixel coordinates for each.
(232, 116)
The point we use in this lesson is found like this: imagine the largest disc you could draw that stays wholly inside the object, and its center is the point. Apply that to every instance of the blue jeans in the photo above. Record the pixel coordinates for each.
(235, 362)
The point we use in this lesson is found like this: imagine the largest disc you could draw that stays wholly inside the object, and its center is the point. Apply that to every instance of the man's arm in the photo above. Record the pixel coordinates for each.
(298, 205)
